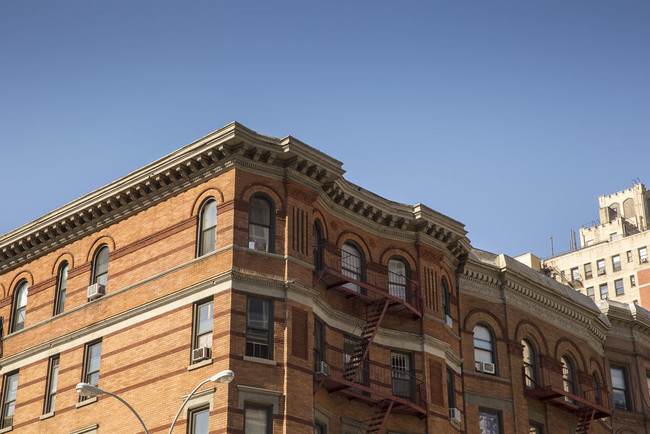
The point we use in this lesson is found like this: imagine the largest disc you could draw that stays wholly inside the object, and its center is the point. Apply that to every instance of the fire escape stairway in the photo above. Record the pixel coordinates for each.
(585, 418)
(367, 336)
(376, 424)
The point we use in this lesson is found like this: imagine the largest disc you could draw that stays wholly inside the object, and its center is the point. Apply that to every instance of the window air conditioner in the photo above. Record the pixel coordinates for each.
(322, 368)
(96, 290)
(489, 368)
(454, 414)
(644, 260)
(478, 366)
(449, 321)
(201, 353)
(601, 272)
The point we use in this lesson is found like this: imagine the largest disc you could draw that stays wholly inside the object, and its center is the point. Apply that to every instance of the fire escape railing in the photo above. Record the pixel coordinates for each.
(566, 388)
(369, 281)
(374, 382)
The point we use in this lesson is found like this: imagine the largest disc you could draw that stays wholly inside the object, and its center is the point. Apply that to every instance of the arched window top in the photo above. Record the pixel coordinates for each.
(20, 306)
(207, 227)
(100, 266)
(484, 347)
(446, 302)
(261, 223)
(350, 247)
(399, 266)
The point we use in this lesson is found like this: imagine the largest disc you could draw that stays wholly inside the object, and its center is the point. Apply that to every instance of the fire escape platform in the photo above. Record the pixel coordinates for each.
(562, 399)
(369, 395)
(337, 281)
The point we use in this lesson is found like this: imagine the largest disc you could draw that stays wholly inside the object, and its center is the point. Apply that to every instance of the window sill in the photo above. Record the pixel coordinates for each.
(200, 364)
(9, 428)
(46, 415)
(85, 402)
(259, 360)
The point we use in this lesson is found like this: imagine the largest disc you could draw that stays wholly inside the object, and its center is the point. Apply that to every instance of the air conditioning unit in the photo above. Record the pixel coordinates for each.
(201, 353)
(601, 272)
(644, 260)
(576, 279)
(489, 368)
(478, 366)
(454, 414)
(449, 321)
(96, 290)
(322, 368)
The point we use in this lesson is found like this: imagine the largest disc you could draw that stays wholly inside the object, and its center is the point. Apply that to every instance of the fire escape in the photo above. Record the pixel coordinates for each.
(572, 391)
(348, 371)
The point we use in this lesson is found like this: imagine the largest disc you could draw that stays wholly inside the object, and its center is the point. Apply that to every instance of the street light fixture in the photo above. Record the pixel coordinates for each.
(87, 390)
(223, 377)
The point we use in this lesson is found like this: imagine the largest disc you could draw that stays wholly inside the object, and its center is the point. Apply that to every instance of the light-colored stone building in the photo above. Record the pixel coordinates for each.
(611, 253)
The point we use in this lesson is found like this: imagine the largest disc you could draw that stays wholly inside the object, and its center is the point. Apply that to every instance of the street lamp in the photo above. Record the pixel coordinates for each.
(87, 390)
(224, 377)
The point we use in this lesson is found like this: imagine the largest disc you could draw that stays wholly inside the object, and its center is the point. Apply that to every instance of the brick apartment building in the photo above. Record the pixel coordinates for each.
(339, 311)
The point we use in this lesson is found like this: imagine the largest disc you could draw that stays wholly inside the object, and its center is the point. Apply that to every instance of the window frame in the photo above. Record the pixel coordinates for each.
(61, 287)
(625, 389)
(202, 230)
(643, 257)
(616, 263)
(52, 378)
(350, 269)
(616, 287)
(96, 276)
(600, 262)
(588, 270)
(270, 242)
(319, 338)
(451, 388)
(569, 380)
(593, 294)
(397, 282)
(492, 343)
(603, 295)
(86, 372)
(632, 280)
(319, 251)
(531, 365)
(251, 351)
(196, 322)
(269, 415)
(629, 256)
(21, 286)
(192, 414)
(446, 297)
(491, 412)
(399, 375)
(575, 274)
(8, 403)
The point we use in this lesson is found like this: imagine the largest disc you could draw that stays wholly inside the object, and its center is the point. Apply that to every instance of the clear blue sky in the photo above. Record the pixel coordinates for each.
(509, 116)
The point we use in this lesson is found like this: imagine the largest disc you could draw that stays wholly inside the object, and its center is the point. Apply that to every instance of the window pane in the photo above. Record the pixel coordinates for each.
(201, 422)
(260, 212)
(256, 420)
(209, 215)
(205, 318)
(208, 240)
(101, 263)
(12, 387)
(258, 313)
(488, 423)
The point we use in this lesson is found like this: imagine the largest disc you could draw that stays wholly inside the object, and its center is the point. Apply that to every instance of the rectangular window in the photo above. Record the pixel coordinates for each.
(588, 271)
(618, 284)
(613, 237)
(319, 340)
(489, 422)
(451, 389)
(619, 388)
(616, 262)
(575, 274)
(50, 387)
(259, 328)
(604, 294)
(632, 280)
(257, 419)
(202, 331)
(9, 389)
(401, 375)
(629, 256)
(199, 420)
(590, 291)
(535, 428)
(320, 428)
(92, 359)
(600, 265)
(643, 255)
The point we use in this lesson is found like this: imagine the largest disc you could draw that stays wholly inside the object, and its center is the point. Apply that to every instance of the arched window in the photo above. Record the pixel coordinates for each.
(597, 392)
(61, 286)
(352, 265)
(318, 246)
(20, 306)
(207, 227)
(100, 266)
(446, 305)
(568, 376)
(484, 349)
(530, 363)
(260, 224)
(398, 274)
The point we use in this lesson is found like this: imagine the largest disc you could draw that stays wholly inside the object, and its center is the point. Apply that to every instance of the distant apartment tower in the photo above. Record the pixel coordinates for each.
(613, 253)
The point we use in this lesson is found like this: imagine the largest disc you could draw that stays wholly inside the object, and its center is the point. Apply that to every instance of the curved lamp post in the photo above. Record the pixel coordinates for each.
(85, 389)
(224, 377)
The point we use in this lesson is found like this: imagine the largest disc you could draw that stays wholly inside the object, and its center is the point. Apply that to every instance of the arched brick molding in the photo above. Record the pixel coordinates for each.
(65, 256)
(205, 195)
(476, 316)
(103, 239)
(260, 187)
(26, 275)
(566, 346)
(356, 239)
(530, 330)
